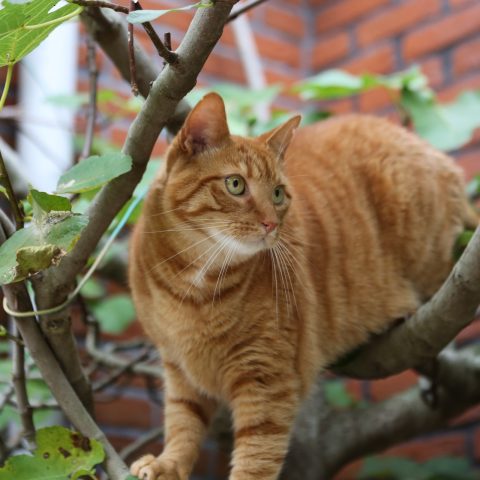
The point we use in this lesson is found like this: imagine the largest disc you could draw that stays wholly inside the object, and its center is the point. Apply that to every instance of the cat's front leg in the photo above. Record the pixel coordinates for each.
(187, 415)
(264, 407)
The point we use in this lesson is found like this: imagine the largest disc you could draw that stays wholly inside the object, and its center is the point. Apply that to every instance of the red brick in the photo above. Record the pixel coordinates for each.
(453, 444)
(224, 68)
(471, 82)
(349, 472)
(329, 50)
(442, 33)
(379, 60)
(472, 168)
(460, 3)
(286, 52)
(433, 69)
(470, 163)
(345, 11)
(344, 105)
(466, 57)
(395, 20)
(385, 388)
(376, 100)
(124, 412)
(470, 416)
(285, 21)
(180, 20)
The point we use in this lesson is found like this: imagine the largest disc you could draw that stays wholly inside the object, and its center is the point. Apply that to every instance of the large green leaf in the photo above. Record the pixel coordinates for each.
(94, 172)
(18, 37)
(446, 126)
(142, 16)
(114, 314)
(60, 454)
(51, 235)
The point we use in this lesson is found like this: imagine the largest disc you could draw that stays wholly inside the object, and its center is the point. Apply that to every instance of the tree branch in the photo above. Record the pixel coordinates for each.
(170, 87)
(110, 32)
(54, 377)
(92, 102)
(430, 329)
(343, 436)
(20, 385)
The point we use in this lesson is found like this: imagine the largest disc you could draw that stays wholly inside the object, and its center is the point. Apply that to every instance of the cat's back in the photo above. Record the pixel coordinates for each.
(379, 210)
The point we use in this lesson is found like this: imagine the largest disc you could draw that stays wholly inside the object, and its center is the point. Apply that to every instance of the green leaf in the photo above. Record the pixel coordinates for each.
(3, 331)
(142, 16)
(115, 314)
(335, 84)
(445, 126)
(93, 290)
(74, 101)
(94, 172)
(39, 245)
(386, 468)
(60, 454)
(450, 468)
(17, 38)
(43, 203)
(337, 394)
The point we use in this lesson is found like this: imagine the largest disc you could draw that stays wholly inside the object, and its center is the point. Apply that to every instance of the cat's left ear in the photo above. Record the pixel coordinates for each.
(279, 138)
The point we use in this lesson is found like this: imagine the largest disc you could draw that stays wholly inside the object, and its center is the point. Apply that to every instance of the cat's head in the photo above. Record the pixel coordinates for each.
(228, 187)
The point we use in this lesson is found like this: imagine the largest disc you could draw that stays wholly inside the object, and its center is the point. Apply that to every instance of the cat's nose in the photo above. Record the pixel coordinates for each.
(269, 226)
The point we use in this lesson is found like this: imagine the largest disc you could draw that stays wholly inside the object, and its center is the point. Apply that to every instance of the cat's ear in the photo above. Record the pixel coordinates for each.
(279, 138)
(206, 125)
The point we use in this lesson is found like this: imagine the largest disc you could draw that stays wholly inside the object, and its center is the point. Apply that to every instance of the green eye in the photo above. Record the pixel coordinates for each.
(278, 195)
(235, 184)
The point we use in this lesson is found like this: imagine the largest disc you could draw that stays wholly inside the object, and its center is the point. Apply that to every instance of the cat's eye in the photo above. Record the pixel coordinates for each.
(235, 184)
(278, 195)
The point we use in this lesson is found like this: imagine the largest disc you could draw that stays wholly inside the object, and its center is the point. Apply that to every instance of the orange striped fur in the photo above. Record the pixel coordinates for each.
(248, 313)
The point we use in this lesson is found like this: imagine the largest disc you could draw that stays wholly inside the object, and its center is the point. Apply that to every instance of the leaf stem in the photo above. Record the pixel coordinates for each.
(7, 85)
(54, 21)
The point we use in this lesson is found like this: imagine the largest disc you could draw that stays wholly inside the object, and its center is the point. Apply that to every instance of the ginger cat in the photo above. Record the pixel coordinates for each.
(254, 266)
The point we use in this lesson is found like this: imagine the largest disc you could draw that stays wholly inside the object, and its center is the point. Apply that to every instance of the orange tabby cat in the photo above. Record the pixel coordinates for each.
(255, 265)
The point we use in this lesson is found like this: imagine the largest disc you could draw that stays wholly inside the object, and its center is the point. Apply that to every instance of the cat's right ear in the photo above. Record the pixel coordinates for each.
(205, 127)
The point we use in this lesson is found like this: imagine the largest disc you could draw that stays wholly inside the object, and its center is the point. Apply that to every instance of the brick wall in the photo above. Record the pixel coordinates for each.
(298, 38)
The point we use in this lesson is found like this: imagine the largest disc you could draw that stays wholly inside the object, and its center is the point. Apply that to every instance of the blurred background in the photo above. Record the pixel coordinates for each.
(411, 61)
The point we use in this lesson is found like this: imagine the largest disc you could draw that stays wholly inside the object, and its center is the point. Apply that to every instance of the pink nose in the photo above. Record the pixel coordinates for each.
(269, 226)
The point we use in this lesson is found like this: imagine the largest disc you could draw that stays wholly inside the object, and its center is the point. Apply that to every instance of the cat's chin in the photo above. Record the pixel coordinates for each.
(248, 247)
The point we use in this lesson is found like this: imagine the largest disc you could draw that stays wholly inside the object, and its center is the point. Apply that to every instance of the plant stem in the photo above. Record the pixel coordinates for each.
(7, 85)
(54, 21)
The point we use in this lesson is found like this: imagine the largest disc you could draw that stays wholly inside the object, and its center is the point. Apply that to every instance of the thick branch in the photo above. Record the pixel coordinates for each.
(430, 329)
(333, 438)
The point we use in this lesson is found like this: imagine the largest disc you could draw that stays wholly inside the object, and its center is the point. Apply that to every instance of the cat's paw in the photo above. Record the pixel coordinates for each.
(150, 467)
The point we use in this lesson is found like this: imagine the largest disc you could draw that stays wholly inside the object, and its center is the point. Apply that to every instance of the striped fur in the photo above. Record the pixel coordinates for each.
(249, 318)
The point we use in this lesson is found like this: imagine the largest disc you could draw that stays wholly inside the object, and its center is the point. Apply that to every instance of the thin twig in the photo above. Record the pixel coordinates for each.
(244, 9)
(114, 376)
(11, 194)
(92, 103)
(20, 384)
(101, 4)
(164, 50)
(131, 54)
(113, 360)
(140, 442)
